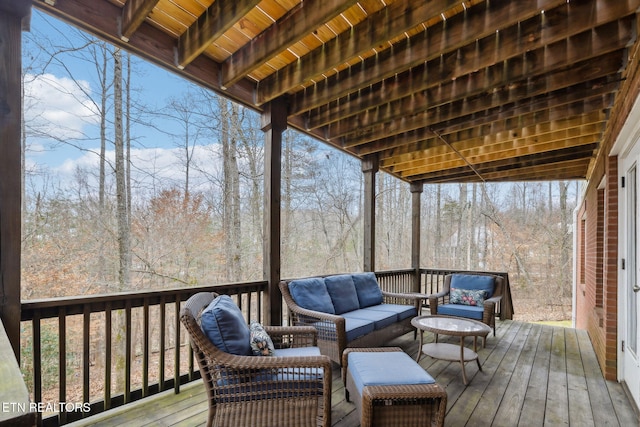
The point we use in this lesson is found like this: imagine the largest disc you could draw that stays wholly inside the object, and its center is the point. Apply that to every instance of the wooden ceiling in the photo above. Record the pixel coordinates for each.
(433, 90)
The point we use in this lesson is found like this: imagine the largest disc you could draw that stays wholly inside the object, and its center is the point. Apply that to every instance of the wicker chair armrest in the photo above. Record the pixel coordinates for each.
(243, 363)
(292, 336)
(414, 298)
(440, 294)
(318, 315)
(493, 300)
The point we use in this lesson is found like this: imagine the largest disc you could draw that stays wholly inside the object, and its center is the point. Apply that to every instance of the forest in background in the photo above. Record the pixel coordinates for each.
(168, 192)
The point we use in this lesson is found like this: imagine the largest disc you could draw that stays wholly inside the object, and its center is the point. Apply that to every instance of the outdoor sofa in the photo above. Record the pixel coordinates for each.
(350, 310)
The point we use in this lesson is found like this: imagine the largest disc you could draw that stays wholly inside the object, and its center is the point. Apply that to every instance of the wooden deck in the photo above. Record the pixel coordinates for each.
(532, 375)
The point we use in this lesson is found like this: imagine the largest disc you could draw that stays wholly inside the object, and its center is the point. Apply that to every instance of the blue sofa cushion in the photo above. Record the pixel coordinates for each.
(380, 319)
(460, 310)
(311, 294)
(402, 311)
(473, 281)
(367, 288)
(223, 323)
(373, 368)
(474, 297)
(342, 292)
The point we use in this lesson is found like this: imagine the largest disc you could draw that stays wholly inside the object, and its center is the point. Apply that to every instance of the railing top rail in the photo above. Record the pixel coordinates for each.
(74, 305)
(455, 270)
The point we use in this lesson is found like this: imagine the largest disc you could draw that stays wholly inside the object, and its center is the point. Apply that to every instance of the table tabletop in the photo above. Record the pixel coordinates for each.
(449, 325)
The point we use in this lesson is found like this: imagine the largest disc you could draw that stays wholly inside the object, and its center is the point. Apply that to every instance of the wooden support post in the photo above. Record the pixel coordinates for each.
(274, 123)
(14, 15)
(416, 195)
(369, 169)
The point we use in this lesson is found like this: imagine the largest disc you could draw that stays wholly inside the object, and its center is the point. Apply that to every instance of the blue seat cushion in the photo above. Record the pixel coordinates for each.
(402, 311)
(223, 323)
(385, 368)
(473, 281)
(342, 292)
(311, 294)
(460, 310)
(367, 289)
(356, 328)
(296, 352)
(380, 319)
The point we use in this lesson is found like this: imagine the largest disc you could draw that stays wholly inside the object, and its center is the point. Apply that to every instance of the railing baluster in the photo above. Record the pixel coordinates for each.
(127, 353)
(145, 356)
(86, 322)
(176, 371)
(107, 355)
(62, 360)
(37, 358)
(163, 320)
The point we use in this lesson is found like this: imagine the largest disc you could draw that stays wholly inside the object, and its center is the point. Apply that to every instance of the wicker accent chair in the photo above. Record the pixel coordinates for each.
(259, 391)
(440, 303)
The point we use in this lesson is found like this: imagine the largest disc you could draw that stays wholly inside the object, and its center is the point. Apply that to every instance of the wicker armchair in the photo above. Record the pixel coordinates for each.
(489, 306)
(261, 391)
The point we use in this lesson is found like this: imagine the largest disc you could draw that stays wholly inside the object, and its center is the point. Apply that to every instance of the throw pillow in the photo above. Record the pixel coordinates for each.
(467, 296)
(260, 341)
(223, 323)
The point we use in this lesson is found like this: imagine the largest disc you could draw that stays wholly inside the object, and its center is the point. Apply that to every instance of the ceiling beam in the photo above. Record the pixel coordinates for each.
(303, 19)
(211, 25)
(134, 13)
(541, 30)
(544, 133)
(424, 138)
(537, 160)
(484, 154)
(374, 32)
(602, 71)
(426, 86)
(487, 109)
(569, 170)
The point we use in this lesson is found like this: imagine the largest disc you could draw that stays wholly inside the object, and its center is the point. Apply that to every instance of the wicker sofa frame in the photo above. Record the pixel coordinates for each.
(240, 394)
(332, 336)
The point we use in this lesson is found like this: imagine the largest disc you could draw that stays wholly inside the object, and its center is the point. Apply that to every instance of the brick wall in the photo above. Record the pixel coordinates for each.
(597, 266)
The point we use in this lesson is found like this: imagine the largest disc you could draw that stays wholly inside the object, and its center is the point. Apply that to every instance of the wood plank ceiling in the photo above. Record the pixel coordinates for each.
(434, 90)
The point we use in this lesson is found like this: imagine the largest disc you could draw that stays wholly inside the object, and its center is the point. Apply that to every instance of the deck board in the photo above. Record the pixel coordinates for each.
(532, 375)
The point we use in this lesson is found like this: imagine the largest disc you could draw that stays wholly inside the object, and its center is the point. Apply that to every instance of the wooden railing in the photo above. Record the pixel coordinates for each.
(116, 329)
(116, 338)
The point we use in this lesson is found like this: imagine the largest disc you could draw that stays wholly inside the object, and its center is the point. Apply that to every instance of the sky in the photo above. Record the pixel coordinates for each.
(63, 119)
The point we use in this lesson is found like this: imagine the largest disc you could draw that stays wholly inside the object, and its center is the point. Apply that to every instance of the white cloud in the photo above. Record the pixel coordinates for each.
(153, 167)
(57, 107)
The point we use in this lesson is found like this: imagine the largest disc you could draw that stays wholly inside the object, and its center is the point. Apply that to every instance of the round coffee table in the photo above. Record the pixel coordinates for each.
(454, 326)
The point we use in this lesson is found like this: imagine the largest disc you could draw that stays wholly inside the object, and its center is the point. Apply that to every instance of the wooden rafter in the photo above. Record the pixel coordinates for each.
(303, 19)
(394, 20)
(133, 14)
(212, 24)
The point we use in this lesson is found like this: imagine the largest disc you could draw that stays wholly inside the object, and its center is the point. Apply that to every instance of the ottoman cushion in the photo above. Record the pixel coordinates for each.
(385, 368)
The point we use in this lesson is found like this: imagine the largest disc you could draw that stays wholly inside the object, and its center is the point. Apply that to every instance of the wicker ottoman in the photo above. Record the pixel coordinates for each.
(390, 389)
